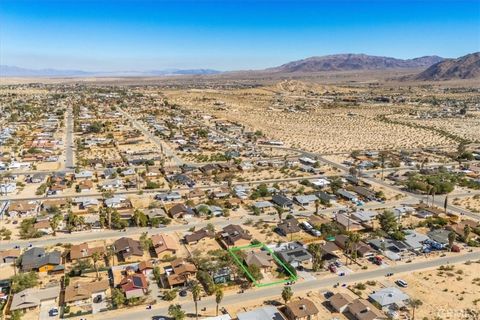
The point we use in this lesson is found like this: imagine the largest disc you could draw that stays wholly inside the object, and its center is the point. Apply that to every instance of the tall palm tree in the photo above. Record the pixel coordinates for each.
(348, 247)
(451, 239)
(382, 162)
(354, 239)
(466, 232)
(218, 296)
(414, 303)
(317, 205)
(196, 296)
(95, 258)
(55, 222)
(111, 254)
(280, 211)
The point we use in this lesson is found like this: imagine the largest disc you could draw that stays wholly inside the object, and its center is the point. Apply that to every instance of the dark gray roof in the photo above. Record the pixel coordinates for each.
(281, 200)
(299, 254)
(36, 258)
(128, 247)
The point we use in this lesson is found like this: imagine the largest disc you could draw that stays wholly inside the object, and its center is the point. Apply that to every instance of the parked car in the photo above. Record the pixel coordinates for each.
(183, 293)
(401, 283)
(305, 225)
(53, 312)
(332, 268)
(98, 299)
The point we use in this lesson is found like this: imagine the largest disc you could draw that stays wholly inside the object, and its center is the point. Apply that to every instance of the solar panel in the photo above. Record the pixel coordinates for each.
(137, 282)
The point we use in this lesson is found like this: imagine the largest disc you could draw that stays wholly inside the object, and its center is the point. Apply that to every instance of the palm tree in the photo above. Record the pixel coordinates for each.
(317, 205)
(55, 222)
(445, 204)
(382, 162)
(95, 258)
(354, 239)
(414, 303)
(196, 296)
(451, 239)
(111, 253)
(466, 232)
(317, 256)
(218, 296)
(279, 212)
(109, 217)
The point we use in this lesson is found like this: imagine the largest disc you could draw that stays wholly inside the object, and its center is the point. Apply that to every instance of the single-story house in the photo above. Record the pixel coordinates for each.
(9, 256)
(288, 226)
(234, 235)
(439, 235)
(33, 297)
(282, 201)
(180, 272)
(340, 301)
(262, 259)
(361, 309)
(301, 309)
(134, 285)
(81, 293)
(181, 211)
(198, 235)
(391, 296)
(164, 244)
(305, 200)
(128, 249)
(295, 254)
(83, 251)
(38, 260)
(263, 313)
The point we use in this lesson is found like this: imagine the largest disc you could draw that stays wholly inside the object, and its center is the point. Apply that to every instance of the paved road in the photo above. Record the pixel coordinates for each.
(204, 187)
(262, 294)
(439, 199)
(69, 143)
(217, 222)
(162, 146)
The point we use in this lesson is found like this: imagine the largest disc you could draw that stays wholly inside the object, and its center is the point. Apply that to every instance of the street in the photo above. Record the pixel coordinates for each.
(265, 293)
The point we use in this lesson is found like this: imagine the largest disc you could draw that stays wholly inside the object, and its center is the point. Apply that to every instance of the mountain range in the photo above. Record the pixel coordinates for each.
(346, 62)
(13, 71)
(434, 68)
(466, 67)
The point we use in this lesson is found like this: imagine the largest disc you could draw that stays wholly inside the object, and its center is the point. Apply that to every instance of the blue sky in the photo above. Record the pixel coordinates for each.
(227, 35)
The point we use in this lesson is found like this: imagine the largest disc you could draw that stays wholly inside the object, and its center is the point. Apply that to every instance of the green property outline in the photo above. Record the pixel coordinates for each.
(232, 251)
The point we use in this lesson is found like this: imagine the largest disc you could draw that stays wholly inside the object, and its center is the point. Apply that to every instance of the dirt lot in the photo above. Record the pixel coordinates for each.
(469, 203)
(445, 294)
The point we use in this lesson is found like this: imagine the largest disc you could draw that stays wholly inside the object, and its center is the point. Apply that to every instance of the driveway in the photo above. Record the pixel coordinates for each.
(307, 276)
(102, 305)
(45, 307)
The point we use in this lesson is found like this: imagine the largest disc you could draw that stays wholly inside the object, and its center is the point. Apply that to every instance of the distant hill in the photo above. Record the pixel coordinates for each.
(13, 71)
(466, 67)
(346, 62)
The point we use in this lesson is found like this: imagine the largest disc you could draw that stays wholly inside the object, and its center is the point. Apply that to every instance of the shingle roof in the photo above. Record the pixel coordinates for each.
(163, 242)
(84, 290)
(33, 297)
(36, 258)
(302, 308)
(128, 247)
(340, 300)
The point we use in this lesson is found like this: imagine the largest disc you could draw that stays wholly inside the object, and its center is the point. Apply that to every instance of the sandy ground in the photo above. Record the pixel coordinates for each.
(469, 203)
(316, 129)
(445, 294)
